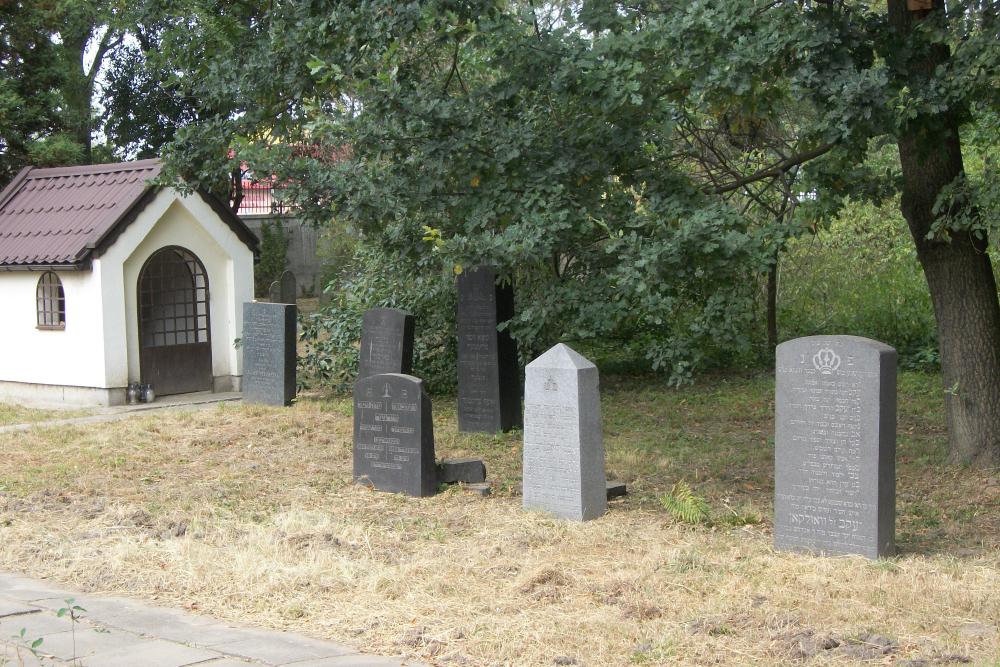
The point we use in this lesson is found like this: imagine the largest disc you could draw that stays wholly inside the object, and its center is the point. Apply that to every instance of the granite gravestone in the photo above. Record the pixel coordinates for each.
(394, 435)
(274, 292)
(386, 342)
(269, 336)
(835, 446)
(289, 290)
(563, 447)
(489, 393)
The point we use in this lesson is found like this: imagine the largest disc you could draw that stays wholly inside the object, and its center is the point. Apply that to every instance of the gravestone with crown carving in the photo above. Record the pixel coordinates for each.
(394, 435)
(489, 388)
(563, 446)
(386, 342)
(835, 446)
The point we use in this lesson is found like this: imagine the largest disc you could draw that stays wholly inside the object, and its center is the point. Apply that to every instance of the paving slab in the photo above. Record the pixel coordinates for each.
(86, 640)
(280, 649)
(151, 653)
(14, 608)
(122, 632)
(35, 625)
(353, 661)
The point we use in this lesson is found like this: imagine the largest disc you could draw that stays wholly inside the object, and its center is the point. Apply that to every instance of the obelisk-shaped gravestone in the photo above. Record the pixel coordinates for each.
(489, 393)
(563, 445)
(394, 435)
(289, 289)
(386, 342)
(835, 446)
(268, 344)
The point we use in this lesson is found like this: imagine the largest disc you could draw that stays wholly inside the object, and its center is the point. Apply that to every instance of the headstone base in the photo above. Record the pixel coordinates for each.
(616, 490)
(468, 470)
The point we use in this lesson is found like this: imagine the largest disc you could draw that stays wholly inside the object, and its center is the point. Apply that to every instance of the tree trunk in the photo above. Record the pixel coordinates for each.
(772, 305)
(958, 271)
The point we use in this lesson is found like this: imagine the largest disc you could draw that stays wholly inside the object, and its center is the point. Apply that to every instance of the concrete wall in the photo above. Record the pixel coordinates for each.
(303, 241)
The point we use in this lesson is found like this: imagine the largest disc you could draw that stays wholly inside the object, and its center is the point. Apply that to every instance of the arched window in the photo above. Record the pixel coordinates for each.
(51, 302)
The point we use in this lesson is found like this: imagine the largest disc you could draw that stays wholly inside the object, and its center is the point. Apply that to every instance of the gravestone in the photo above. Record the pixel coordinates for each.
(489, 392)
(563, 447)
(835, 446)
(274, 292)
(394, 435)
(269, 336)
(289, 290)
(386, 342)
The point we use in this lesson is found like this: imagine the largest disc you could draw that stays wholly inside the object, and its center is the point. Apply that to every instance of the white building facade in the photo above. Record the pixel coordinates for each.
(106, 279)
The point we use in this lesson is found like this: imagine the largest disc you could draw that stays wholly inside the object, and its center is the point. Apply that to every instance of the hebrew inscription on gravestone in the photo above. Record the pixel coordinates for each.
(386, 342)
(268, 344)
(563, 445)
(489, 388)
(835, 446)
(394, 435)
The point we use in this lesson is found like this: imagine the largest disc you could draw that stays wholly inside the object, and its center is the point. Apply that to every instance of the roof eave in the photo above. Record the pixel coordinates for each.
(84, 265)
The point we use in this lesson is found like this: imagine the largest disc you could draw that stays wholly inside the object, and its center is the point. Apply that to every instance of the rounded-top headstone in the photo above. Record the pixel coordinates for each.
(394, 435)
(835, 446)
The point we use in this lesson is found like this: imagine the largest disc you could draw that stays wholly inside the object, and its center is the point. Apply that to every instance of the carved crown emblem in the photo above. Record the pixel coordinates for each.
(826, 361)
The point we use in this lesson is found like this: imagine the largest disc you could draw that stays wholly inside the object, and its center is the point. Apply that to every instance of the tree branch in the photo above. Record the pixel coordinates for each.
(776, 169)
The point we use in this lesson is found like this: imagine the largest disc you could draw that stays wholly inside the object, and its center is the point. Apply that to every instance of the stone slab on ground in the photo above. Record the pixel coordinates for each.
(116, 631)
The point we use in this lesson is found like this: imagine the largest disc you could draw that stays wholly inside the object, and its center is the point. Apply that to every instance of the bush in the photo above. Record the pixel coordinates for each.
(861, 277)
(273, 256)
(332, 334)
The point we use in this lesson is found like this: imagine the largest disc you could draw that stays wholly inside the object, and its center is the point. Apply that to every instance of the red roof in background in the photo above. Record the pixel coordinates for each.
(58, 216)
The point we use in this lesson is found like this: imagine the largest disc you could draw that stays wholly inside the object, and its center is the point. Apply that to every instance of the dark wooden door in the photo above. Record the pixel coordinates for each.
(175, 344)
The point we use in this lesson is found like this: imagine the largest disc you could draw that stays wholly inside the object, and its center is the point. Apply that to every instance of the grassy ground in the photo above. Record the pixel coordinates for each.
(250, 513)
(17, 414)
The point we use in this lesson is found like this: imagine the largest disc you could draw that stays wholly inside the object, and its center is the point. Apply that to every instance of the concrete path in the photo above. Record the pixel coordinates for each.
(194, 401)
(119, 632)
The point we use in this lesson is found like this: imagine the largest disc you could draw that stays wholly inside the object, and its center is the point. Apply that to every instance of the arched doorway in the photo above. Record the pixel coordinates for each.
(175, 342)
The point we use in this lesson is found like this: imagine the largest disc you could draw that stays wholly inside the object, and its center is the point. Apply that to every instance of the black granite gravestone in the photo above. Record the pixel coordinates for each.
(489, 387)
(394, 435)
(835, 446)
(289, 290)
(269, 336)
(274, 292)
(386, 342)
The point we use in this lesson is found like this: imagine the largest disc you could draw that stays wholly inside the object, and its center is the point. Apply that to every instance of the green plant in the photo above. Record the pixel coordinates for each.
(273, 256)
(73, 611)
(21, 640)
(685, 505)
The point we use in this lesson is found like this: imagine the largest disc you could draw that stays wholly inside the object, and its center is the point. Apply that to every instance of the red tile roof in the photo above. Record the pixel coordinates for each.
(59, 217)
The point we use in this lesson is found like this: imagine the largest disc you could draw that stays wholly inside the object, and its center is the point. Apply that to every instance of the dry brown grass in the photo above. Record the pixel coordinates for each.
(249, 513)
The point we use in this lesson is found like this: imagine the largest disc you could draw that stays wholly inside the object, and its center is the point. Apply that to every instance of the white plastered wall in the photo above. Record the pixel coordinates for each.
(73, 356)
(189, 222)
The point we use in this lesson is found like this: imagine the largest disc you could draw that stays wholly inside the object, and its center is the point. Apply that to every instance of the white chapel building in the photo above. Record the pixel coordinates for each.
(107, 279)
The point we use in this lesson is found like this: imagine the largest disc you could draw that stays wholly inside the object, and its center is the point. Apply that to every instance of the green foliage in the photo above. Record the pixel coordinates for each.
(56, 150)
(685, 505)
(861, 276)
(333, 333)
(634, 170)
(273, 256)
